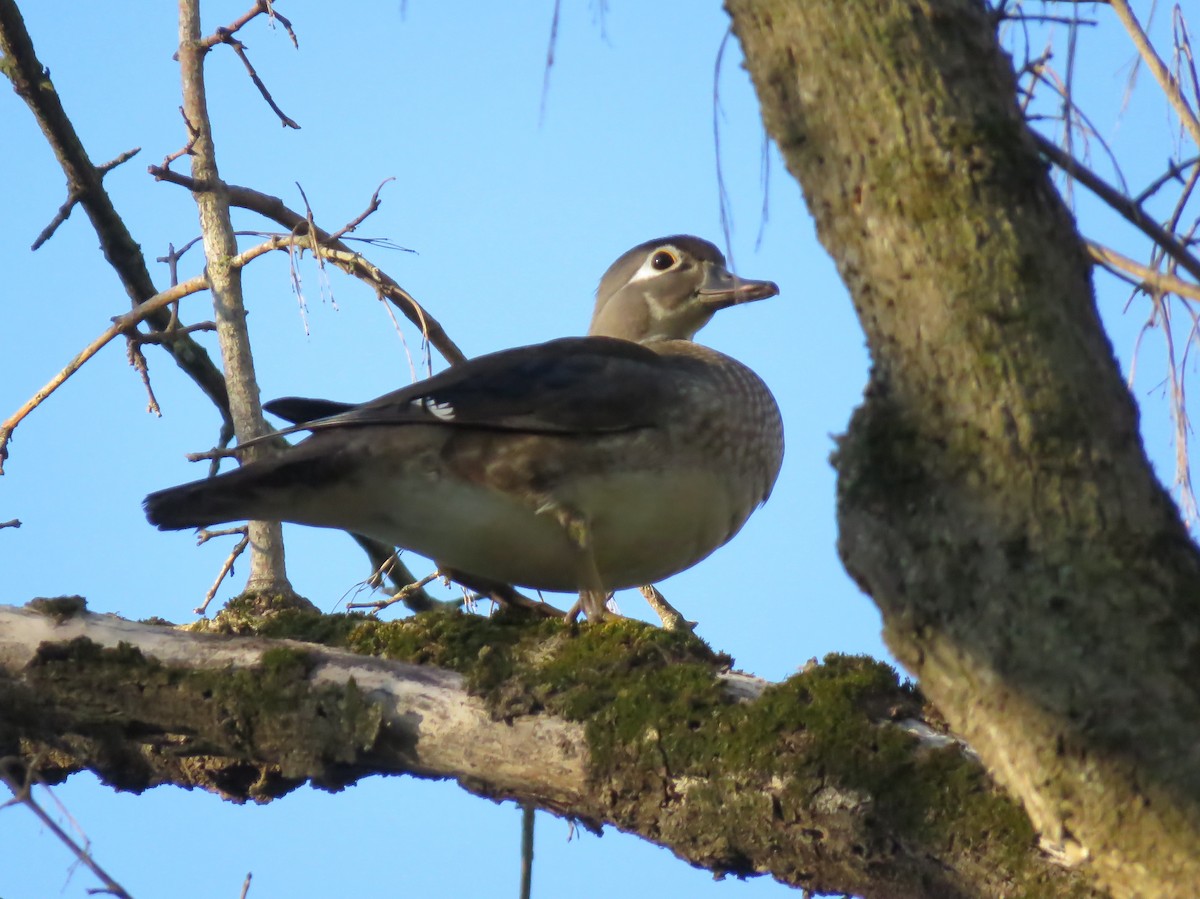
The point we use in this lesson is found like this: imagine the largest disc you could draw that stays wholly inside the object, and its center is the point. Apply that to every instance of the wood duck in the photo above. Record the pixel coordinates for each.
(584, 464)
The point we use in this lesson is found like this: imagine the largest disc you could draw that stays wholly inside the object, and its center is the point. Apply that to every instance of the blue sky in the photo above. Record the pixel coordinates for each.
(513, 216)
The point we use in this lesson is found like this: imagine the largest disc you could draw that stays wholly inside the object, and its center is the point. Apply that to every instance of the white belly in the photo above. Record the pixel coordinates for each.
(643, 527)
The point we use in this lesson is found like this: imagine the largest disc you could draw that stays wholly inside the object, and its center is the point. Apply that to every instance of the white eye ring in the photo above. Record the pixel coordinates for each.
(651, 267)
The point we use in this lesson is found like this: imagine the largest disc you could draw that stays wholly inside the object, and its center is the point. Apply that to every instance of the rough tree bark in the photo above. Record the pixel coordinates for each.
(994, 497)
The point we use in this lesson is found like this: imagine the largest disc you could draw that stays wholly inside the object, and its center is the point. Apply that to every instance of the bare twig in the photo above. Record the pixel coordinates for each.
(1168, 85)
(240, 49)
(723, 205)
(226, 567)
(123, 324)
(510, 596)
(345, 258)
(1174, 172)
(11, 523)
(157, 337)
(1075, 120)
(259, 8)
(1185, 59)
(1131, 211)
(246, 885)
(20, 786)
(425, 355)
(223, 33)
(64, 211)
(204, 534)
(527, 821)
(215, 454)
(385, 562)
(549, 59)
(1148, 278)
(31, 81)
(138, 360)
(1042, 17)
(186, 149)
(107, 167)
(400, 596)
(354, 223)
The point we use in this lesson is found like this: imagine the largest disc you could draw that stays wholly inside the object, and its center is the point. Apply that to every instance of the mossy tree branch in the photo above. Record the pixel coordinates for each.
(819, 781)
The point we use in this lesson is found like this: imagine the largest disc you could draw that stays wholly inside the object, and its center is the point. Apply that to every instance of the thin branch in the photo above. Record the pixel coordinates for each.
(187, 148)
(1168, 84)
(121, 159)
(22, 793)
(527, 821)
(31, 81)
(123, 324)
(510, 596)
(240, 49)
(226, 567)
(1036, 17)
(1184, 60)
(223, 33)
(205, 534)
(216, 454)
(159, 337)
(401, 595)
(11, 523)
(549, 60)
(723, 205)
(385, 562)
(1150, 279)
(259, 8)
(64, 211)
(345, 258)
(1120, 203)
(1076, 120)
(355, 222)
(137, 359)
(1174, 172)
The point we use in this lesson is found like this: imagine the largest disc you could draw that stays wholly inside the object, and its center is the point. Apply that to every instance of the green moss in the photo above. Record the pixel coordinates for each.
(262, 603)
(285, 663)
(623, 679)
(268, 711)
(60, 608)
(309, 627)
(651, 701)
(482, 649)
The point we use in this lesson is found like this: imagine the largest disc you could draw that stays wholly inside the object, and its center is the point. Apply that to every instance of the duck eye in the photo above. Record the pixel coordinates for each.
(663, 260)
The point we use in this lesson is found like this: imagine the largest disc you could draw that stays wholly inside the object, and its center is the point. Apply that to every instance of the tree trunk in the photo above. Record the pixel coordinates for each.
(994, 498)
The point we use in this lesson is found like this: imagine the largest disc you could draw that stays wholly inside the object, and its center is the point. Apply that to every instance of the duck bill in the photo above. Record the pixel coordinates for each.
(722, 289)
